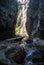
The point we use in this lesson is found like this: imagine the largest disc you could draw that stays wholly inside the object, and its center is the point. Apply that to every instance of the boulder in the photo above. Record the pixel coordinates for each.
(3, 59)
(34, 56)
(17, 54)
(38, 41)
(5, 62)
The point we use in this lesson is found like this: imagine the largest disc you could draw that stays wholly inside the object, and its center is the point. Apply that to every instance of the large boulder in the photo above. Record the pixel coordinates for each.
(15, 53)
(7, 62)
(8, 17)
(3, 59)
(34, 57)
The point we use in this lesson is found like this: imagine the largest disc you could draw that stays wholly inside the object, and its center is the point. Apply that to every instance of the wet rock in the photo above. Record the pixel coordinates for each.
(38, 42)
(40, 45)
(14, 40)
(35, 57)
(29, 63)
(29, 40)
(5, 62)
(17, 54)
(3, 59)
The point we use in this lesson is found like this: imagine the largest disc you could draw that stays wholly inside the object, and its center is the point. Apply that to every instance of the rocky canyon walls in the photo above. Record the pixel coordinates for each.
(32, 18)
(41, 27)
(8, 17)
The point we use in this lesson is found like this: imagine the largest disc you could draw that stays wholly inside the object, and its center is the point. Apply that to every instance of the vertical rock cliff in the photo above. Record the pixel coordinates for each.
(8, 17)
(35, 17)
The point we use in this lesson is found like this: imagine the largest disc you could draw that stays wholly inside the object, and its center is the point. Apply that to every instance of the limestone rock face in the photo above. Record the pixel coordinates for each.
(8, 16)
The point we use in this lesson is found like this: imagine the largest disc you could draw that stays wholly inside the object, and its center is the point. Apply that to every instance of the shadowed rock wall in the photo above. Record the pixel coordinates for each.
(41, 27)
(35, 17)
(8, 17)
